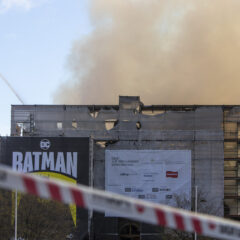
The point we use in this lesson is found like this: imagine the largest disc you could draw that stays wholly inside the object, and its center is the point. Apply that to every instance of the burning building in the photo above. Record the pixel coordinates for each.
(150, 152)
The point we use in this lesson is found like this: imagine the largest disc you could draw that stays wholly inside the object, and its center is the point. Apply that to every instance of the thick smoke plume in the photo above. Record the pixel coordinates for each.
(166, 51)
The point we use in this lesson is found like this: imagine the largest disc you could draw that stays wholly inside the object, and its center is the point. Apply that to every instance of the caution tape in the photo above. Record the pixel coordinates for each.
(139, 210)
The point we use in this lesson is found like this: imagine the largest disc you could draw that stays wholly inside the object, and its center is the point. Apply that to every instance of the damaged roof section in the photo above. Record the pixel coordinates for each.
(129, 119)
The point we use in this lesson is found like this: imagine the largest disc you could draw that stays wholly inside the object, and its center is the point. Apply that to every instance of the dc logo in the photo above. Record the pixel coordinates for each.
(45, 144)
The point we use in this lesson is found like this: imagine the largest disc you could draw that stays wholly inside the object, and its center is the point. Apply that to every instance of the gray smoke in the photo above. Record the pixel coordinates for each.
(166, 51)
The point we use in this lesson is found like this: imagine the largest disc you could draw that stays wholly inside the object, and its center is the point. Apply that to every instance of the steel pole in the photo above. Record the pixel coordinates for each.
(16, 214)
(196, 203)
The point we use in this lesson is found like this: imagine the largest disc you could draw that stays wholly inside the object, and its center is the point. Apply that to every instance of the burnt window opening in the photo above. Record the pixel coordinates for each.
(110, 124)
(137, 110)
(152, 112)
(74, 124)
(138, 125)
(59, 125)
(102, 144)
(94, 114)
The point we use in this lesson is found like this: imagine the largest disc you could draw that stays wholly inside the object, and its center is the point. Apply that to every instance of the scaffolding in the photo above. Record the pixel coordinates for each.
(231, 127)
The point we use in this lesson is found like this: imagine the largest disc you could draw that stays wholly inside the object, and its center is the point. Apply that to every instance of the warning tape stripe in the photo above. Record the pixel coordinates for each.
(179, 222)
(78, 197)
(161, 217)
(136, 209)
(197, 226)
(30, 185)
(54, 192)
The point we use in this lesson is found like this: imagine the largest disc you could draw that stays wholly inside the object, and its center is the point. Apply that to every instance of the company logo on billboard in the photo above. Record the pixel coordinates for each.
(45, 144)
(171, 174)
(124, 174)
(61, 162)
(129, 189)
(161, 189)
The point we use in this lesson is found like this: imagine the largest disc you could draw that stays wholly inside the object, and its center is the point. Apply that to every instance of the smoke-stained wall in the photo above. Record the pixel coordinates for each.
(133, 126)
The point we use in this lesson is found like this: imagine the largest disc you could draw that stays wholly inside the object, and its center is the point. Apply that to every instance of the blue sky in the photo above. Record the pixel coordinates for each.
(36, 37)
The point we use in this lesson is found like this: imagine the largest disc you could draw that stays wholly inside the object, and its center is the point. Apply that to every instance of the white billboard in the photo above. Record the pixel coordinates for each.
(154, 175)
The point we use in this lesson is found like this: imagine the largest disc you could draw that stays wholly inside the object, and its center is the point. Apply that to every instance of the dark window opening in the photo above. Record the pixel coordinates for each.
(130, 231)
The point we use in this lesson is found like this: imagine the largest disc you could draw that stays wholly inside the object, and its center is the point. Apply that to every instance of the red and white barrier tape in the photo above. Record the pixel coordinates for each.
(135, 209)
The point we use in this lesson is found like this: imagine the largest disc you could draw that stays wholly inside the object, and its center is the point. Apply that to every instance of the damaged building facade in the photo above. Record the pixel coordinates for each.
(210, 133)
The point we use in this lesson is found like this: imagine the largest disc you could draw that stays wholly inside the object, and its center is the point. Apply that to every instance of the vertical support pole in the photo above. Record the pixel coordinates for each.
(16, 194)
(196, 203)
(91, 176)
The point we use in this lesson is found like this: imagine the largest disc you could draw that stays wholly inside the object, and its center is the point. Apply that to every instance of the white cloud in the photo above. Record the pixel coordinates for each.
(6, 5)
